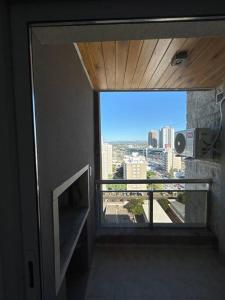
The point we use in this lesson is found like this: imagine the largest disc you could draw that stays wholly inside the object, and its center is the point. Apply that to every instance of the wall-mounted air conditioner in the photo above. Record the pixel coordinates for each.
(193, 143)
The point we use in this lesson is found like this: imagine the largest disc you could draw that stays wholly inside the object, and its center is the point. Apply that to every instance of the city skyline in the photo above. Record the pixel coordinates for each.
(129, 116)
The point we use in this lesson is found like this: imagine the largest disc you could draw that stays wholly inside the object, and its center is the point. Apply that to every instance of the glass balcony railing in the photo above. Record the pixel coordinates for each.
(156, 202)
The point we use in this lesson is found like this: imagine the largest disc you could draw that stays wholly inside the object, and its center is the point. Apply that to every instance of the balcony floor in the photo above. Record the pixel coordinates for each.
(155, 272)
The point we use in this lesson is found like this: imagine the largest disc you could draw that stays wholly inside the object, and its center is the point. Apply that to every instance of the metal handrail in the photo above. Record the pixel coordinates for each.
(153, 181)
(148, 191)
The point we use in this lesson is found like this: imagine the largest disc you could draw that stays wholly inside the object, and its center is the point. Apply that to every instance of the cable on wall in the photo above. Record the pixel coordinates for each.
(212, 146)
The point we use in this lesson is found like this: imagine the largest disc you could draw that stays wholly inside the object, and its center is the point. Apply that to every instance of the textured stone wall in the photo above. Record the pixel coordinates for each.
(196, 207)
(203, 112)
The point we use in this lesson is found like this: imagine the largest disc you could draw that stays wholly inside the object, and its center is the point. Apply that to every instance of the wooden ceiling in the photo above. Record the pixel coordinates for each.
(146, 64)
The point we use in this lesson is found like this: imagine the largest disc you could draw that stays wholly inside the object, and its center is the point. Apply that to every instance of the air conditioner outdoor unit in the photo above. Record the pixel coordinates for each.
(193, 143)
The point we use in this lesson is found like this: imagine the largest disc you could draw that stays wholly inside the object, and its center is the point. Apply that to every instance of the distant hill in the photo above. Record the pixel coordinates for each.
(127, 142)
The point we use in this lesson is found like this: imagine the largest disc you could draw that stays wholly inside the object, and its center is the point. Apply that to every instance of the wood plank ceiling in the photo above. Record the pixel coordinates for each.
(146, 64)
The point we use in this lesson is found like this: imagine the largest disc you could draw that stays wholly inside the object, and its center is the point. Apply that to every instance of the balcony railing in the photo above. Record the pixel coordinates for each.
(153, 202)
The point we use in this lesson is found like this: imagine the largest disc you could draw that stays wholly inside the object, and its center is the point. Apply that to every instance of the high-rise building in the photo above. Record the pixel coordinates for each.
(135, 167)
(153, 138)
(106, 160)
(177, 162)
(166, 137)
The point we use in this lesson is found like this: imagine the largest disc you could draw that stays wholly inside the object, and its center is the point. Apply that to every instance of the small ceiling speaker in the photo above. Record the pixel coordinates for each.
(179, 58)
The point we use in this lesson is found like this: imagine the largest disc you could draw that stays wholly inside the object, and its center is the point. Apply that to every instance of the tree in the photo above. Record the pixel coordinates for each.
(116, 187)
(118, 173)
(164, 203)
(170, 174)
(151, 174)
(135, 206)
(181, 197)
(154, 186)
(157, 186)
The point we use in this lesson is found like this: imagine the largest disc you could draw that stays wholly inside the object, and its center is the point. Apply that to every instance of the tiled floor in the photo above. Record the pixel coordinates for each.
(155, 273)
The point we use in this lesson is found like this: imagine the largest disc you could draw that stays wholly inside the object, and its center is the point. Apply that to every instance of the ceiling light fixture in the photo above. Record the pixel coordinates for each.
(179, 58)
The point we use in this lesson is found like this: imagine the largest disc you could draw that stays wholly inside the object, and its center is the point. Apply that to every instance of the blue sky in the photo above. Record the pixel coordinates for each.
(127, 116)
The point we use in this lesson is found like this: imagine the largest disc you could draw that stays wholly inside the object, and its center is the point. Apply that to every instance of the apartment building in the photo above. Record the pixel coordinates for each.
(166, 137)
(153, 138)
(135, 167)
(171, 161)
(106, 160)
